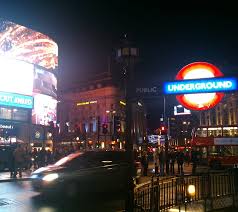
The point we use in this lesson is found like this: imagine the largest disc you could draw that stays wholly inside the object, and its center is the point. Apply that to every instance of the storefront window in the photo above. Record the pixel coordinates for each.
(14, 114)
(5, 113)
(20, 115)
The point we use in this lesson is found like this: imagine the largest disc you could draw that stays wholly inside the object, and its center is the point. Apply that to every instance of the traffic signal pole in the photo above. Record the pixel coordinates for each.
(129, 146)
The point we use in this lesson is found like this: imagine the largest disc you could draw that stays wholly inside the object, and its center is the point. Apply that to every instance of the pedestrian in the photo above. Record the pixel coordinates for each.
(34, 156)
(194, 159)
(156, 160)
(144, 162)
(49, 157)
(19, 156)
(42, 157)
(162, 160)
(180, 161)
(172, 157)
(11, 161)
(187, 156)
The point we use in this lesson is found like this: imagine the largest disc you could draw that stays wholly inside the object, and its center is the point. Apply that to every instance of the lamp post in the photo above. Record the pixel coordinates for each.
(111, 114)
(127, 55)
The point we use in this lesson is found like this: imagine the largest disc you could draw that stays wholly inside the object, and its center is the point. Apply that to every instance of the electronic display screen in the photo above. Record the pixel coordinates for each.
(25, 44)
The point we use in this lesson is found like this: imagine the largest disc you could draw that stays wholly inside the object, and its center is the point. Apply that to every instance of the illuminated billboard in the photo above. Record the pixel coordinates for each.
(44, 109)
(180, 110)
(16, 76)
(44, 82)
(25, 44)
(27, 63)
(16, 100)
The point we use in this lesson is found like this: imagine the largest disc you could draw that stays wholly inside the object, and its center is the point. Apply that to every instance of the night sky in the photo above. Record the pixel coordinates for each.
(169, 36)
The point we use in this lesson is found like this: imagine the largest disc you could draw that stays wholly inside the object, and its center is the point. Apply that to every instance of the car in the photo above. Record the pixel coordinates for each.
(90, 171)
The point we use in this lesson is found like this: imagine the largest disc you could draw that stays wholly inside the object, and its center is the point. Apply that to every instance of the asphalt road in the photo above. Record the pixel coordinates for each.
(19, 197)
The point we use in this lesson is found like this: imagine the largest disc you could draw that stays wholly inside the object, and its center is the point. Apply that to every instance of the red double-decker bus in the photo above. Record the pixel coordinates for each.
(218, 146)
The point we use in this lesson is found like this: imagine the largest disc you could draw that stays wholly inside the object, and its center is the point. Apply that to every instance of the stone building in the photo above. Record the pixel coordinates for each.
(92, 113)
(222, 120)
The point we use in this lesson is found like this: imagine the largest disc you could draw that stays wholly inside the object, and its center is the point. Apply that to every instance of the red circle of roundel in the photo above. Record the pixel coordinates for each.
(191, 105)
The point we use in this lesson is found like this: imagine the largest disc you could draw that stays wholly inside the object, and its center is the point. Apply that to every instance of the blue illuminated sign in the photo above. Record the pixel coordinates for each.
(201, 86)
(16, 100)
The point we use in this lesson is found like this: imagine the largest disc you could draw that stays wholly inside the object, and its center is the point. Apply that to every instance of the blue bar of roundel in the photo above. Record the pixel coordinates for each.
(168, 85)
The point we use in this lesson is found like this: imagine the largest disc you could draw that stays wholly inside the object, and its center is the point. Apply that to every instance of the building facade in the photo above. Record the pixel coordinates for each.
(28, 85)
(222, 120)
(92, 114)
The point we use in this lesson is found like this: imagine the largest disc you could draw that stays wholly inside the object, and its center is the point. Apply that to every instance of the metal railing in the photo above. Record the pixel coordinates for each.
(162, 194)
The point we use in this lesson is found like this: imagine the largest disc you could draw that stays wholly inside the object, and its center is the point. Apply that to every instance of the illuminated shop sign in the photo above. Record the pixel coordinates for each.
(5, 126)
(16, 100)
(201, 86)
(86, 103)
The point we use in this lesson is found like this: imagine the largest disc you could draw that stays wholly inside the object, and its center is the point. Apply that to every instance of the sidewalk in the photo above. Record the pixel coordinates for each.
(187, 171)
(5, 176)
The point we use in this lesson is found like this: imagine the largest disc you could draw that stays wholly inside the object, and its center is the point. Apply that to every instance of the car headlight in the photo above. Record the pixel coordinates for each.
(50, 177)
(34, 176)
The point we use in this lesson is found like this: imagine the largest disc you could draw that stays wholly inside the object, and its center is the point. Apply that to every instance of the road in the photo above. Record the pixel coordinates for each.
(19, 197)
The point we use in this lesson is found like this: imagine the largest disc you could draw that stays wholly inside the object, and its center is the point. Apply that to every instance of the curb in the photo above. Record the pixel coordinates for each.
(15, 179)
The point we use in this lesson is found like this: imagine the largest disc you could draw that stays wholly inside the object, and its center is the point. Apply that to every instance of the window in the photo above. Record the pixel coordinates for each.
(19, 115)
(14, 114)
(91, 127)
(5, 113)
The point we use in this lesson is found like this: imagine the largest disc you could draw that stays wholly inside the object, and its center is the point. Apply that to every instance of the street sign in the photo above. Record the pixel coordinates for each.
(200, 86)
(146, 91)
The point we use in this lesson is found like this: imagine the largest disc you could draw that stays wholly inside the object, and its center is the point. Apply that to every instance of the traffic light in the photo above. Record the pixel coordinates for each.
(104, 128)
(117, 125)
(163, 130)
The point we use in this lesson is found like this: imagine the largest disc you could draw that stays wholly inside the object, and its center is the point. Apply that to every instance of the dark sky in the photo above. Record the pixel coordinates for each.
(169, 36)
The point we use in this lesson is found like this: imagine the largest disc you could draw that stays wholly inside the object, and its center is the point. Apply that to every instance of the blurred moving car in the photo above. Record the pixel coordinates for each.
(90, 171)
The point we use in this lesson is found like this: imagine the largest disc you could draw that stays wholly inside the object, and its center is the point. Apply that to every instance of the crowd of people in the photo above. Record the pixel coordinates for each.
(22, 158)
(165, 163)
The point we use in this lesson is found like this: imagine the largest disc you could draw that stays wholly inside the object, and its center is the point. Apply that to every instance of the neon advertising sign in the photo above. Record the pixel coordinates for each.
(16, 100)
(200, 86)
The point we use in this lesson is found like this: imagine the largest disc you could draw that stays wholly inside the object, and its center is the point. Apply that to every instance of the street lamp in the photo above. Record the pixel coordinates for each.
(191, 190)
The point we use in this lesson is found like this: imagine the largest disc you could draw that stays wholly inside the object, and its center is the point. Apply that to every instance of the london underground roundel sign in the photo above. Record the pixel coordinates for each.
(199, 101)
(200, 86)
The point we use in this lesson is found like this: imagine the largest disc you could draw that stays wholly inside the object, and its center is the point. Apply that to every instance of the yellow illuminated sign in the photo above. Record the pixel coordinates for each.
(86, 103)
(122, 103)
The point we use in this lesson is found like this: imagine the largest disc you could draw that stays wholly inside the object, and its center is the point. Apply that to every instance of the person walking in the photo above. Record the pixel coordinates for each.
(11, 161)
(144, 162)
(162, 160)
(194, 159)
(35, 158)
(180, 161)
(172, 157)
(19, 156)
(42, 157)
(49, 157)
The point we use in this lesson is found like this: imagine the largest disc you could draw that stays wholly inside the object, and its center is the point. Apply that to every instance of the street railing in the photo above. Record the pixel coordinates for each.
(161, 194)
